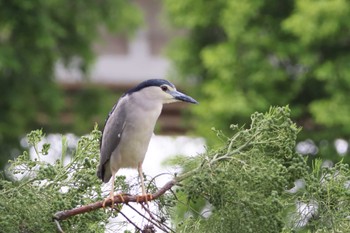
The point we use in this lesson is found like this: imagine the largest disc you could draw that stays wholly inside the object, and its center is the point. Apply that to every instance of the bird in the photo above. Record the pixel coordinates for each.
(129, 127)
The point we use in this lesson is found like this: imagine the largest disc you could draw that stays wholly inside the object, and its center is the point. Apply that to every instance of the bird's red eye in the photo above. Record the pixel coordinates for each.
(164, 88)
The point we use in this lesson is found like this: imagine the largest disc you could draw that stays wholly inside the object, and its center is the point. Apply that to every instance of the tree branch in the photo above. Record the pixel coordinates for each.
(123, 198)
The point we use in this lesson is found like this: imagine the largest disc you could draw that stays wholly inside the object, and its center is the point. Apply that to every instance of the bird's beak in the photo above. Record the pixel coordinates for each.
(182, 97)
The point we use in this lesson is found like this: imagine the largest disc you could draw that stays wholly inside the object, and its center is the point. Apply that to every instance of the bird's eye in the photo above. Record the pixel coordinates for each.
(164, 88)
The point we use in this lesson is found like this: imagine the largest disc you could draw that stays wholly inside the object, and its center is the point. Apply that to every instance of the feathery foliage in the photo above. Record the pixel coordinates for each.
(247, 185)
(45, 188)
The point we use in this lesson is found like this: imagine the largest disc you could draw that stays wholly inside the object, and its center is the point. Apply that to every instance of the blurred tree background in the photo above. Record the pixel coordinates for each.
(244, 57)
(249, 55)
(34, 36)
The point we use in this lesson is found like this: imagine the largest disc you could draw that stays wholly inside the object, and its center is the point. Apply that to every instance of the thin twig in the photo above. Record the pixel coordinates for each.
(139, 229)
(230, 152)
(159, 222)
(145, 217)
(58, 226)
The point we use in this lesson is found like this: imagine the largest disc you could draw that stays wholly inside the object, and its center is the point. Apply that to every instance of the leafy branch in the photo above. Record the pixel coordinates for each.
(244, 185)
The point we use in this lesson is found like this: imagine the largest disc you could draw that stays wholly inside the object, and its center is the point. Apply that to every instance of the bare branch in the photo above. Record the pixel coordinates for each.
(118, 199)
(126, 217)
(58, 226)
(159, 224)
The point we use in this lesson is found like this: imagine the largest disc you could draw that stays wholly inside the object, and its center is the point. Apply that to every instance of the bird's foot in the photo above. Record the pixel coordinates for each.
(106, 200)
(111, 197)
(144, 198)
(120, 195)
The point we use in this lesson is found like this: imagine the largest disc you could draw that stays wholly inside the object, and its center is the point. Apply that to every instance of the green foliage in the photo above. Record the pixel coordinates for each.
(247, 183)
(249, 55)
(328, 188)
(245, 186)
(34, 35)
(46, 188)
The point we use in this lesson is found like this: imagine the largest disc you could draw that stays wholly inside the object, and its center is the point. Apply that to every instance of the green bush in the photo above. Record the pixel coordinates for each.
(46, 188)
(247, 185)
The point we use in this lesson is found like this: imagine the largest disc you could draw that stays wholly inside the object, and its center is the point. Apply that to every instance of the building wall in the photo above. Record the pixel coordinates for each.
(125, 61)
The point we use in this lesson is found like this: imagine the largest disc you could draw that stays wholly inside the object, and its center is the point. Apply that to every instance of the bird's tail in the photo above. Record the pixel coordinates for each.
(103, 173)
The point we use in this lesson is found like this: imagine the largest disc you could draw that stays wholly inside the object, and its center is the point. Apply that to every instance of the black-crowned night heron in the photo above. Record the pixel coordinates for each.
(129, 127)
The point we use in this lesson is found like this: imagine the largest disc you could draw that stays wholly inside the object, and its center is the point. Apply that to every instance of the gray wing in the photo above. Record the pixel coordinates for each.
(110, 138)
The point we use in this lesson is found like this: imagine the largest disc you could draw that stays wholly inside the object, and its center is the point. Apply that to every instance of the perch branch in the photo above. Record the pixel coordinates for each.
(62, 215)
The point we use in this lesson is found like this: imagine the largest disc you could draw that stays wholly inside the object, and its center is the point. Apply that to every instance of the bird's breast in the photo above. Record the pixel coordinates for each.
(135, 138)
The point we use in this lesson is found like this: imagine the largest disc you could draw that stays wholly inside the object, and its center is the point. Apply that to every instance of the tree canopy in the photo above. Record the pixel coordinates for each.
(248, 55)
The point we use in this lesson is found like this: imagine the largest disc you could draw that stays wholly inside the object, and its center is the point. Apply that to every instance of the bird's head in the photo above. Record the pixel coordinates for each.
(160, 90)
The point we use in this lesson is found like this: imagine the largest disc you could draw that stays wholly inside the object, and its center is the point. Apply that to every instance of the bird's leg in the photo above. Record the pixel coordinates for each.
(111, 194)
(147, 196)
(141, 178)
